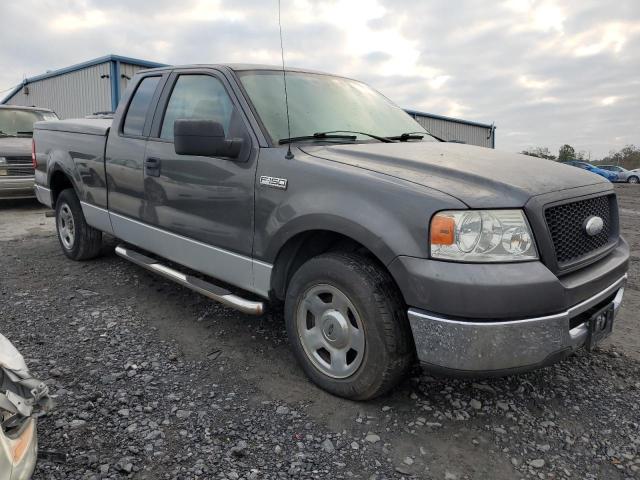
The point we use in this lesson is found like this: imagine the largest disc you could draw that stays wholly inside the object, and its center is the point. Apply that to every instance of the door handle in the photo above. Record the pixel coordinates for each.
(152, 167)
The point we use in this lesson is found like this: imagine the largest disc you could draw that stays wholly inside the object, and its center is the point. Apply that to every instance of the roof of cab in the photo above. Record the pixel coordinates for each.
(238, 67)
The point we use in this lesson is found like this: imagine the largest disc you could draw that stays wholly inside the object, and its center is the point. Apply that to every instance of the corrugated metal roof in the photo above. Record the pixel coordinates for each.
(81, 66)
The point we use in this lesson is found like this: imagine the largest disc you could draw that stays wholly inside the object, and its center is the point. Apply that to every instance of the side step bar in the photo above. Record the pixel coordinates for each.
(207, 289)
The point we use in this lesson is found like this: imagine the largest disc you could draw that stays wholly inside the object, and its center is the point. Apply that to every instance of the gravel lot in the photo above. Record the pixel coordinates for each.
(154, 381)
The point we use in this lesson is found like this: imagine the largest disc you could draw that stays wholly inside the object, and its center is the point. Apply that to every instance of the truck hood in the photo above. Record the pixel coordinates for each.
(479, 177)
(15, 146)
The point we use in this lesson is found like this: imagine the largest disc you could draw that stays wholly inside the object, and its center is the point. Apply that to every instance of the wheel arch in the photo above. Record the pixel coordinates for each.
(306, 244)
(59, 181)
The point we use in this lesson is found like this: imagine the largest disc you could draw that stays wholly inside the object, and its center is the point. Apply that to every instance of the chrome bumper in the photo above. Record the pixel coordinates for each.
(500, 347)
(16, 187)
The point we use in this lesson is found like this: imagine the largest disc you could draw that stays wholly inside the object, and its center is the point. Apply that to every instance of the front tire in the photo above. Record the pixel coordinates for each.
(347, 325)
(79, 241)
(633, 179)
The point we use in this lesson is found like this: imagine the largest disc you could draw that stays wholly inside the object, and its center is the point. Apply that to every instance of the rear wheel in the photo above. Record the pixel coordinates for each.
(79, 241)
(347, 325)
(633, 179)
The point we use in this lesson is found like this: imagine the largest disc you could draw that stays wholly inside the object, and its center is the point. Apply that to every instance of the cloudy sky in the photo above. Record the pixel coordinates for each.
(546, 72)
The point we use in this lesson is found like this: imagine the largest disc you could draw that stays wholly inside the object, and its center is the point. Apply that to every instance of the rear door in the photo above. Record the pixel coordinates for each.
(126, 147)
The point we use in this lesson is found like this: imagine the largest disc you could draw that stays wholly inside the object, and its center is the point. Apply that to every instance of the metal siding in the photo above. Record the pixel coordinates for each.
(452, 130)
(129, 70)
(70, 95)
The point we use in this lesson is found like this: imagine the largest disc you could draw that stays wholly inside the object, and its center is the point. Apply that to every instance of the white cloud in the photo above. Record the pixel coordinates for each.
(70, 22)
(543, 70)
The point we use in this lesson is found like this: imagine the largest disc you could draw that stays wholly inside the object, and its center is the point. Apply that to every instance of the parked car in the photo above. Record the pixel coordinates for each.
(16, 166)
(22, 398)
(383, 243)
(611, 176)
(622, 174)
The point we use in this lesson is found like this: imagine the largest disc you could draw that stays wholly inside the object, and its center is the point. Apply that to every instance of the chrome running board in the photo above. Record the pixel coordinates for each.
(196, 284)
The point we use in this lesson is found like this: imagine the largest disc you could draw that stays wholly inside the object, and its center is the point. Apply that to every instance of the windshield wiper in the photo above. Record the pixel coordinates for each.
(316, 136)
(403, 137)
(376, 137)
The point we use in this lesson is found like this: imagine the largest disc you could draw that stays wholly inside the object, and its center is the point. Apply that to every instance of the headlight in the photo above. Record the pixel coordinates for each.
(482, 236)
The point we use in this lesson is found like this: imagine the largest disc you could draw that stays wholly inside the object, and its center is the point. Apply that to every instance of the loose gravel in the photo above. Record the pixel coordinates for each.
(153, 381)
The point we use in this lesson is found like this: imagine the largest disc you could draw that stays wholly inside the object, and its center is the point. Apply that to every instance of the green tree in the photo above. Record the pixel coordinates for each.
(567, 152)
(627, 157)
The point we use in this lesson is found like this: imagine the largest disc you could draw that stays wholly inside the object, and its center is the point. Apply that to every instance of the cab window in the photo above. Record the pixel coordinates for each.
(139, 107)
(200, 97)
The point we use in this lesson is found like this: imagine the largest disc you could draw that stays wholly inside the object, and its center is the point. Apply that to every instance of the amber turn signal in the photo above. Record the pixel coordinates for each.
(442, 230)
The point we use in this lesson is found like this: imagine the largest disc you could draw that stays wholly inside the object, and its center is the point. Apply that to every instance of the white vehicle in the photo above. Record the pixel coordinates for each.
(22, 397)
(624, 175)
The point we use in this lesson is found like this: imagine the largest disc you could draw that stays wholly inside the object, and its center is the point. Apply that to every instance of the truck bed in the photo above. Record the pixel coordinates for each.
(88, 126)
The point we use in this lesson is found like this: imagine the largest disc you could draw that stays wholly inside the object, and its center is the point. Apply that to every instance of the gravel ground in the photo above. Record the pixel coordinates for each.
(154, 381)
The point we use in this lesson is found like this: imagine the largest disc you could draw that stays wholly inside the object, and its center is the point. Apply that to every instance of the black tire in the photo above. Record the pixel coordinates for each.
(86, 241)
(389, 350)
(633, 179)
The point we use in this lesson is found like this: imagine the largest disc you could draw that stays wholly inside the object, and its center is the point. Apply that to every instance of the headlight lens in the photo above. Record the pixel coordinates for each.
(482, 236)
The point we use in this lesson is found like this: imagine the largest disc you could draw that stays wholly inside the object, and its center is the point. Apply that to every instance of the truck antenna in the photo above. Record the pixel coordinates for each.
(289, 154)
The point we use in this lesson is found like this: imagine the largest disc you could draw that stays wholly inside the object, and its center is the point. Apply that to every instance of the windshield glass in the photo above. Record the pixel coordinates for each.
(322, 103)
(17, 123)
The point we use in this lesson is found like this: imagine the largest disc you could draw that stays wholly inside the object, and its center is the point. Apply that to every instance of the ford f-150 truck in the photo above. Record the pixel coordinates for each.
(383, 243)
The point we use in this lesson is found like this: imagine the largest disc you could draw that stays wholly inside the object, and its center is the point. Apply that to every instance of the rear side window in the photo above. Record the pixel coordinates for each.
(139, 106)
(197, 96)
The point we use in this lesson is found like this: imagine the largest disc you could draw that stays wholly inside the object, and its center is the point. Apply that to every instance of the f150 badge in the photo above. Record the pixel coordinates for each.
(274, 182)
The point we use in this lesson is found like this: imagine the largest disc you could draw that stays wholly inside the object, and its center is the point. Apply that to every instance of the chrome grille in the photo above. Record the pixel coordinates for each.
(566, 225)
(19, 166)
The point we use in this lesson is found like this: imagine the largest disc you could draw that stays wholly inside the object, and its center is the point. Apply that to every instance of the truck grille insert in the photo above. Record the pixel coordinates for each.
(16, 167)
(567, 227)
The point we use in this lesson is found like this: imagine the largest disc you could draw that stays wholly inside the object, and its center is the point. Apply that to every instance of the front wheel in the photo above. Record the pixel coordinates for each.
(347, 325)
(79, 241)
(633, 179)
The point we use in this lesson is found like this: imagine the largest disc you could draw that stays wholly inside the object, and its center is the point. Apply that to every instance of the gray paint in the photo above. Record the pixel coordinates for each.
(380, 195)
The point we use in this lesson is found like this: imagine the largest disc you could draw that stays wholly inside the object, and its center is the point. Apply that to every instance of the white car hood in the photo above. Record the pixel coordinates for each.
(10, 358)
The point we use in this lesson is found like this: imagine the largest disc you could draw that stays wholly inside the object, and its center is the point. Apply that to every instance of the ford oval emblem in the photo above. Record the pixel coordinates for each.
(593, 226)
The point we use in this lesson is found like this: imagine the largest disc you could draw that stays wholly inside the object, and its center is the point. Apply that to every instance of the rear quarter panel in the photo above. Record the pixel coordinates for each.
(79, 156)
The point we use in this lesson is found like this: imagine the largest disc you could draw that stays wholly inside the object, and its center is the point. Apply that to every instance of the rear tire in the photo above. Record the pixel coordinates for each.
(347, 325)
(633, 179)
(79, 241)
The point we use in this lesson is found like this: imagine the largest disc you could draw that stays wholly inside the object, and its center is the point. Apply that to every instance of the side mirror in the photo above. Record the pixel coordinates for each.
(204, 138)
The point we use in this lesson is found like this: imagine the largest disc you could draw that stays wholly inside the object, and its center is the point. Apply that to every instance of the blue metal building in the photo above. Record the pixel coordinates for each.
(79, 90)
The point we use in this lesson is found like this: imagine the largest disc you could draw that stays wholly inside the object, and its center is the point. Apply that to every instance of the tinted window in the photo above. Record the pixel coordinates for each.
(197, 96)
(139, 106)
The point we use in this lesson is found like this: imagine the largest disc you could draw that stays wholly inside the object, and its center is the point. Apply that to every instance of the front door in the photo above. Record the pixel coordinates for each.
(207, 201)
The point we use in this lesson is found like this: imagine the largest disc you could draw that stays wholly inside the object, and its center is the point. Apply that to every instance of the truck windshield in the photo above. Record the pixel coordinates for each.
(19, 123)
(323, 103)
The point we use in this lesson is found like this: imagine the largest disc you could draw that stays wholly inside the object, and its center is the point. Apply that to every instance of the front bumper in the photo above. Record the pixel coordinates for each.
(472, 347)
(16, 187)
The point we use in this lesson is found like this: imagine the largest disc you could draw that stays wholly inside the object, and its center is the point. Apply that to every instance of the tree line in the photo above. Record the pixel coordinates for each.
(627, 157)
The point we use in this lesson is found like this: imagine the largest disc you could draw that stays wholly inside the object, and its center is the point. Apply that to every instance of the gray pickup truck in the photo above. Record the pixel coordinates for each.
(383, 243)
